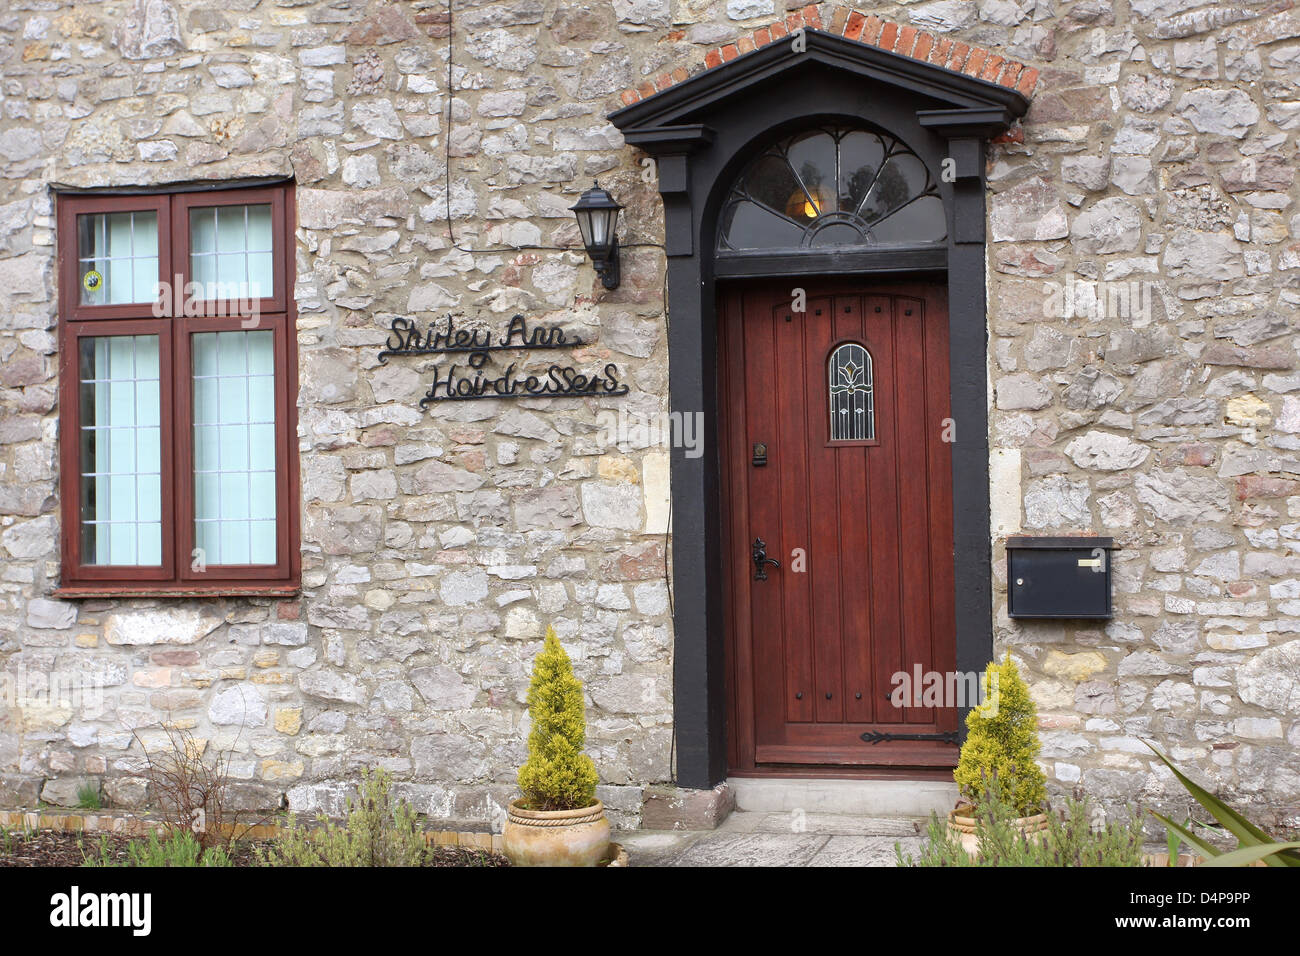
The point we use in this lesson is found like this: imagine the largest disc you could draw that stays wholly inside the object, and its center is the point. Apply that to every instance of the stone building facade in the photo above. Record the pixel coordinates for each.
(1140, 264)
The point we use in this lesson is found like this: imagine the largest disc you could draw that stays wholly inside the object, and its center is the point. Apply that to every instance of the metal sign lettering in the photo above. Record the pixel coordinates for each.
(472, 381)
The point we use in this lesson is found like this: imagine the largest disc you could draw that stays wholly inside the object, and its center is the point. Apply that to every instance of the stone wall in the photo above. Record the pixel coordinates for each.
(1156, 160)
(1142, 285)
(436, 546)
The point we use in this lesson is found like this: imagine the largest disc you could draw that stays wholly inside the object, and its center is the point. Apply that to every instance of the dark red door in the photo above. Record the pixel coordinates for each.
(848, 400)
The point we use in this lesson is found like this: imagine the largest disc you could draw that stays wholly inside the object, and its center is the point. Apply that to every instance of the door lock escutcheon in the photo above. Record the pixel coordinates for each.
(761, 560)
(760, 454)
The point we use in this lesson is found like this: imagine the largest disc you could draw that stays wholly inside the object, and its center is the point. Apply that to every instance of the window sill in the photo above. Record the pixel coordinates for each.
(73, 592)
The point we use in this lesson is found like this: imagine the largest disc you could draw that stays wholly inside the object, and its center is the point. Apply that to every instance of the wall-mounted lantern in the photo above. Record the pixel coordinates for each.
(597, 216)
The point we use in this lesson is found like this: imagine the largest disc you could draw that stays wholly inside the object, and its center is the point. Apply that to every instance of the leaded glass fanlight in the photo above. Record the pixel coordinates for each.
(833, 188)
(852, 403)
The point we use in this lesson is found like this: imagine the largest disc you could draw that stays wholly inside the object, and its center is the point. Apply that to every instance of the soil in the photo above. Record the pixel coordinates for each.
(57, 848)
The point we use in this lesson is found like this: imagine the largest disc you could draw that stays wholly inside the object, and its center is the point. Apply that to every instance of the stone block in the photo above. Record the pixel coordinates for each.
(676, 808)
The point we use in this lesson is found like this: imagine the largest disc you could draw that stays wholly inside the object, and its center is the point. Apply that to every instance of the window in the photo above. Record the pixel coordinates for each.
(833, 188)
(178, 384)
(852, 402)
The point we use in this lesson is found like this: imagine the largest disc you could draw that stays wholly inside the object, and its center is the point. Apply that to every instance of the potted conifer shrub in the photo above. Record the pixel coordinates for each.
(558, 821)
(998, 756)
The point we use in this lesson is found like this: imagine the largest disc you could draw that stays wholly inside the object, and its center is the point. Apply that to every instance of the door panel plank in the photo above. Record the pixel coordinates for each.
(854, 541)
(823, 506)
(882, 506)
(770, 653)
(790, 463)
(912, 501)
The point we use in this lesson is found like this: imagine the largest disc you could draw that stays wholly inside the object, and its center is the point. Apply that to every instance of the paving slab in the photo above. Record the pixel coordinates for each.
(864, 851)
(656, 847)
(753, 849)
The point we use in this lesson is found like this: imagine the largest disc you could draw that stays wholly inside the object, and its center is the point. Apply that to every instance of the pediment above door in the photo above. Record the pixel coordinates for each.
(964, 91)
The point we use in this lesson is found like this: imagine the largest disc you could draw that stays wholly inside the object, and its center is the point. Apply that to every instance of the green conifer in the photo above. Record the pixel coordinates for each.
(1002, 742)
(557, 775)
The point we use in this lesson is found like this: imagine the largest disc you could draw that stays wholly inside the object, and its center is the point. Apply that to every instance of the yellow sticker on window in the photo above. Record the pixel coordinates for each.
(91, 280)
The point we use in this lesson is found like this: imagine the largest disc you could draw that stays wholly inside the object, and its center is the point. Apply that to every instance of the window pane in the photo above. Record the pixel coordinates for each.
(813, 159)
(121, 250)
(853, 414)
(748, 225)
(121, 451)
(903, 177)
(230, 251)
(771, 182)
(234, 461)
(922, 220)
(259, 228)
(861, 154)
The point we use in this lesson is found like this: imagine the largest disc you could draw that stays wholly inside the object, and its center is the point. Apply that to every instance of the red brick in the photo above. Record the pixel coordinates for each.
(680, 74)
(888, 36)
(853, 29)
(839, 19)
(288, 610)
(629, 97)
(713, 58)
(663, 82)
(1009, 74)
(762, 37)
(1014, 135)
(778, 30)
(906, 40)
(812, 16)
(794, 21)
(871, 29)
(745, 45)
(939, 54)
(975, 62)
(992, 67)
(1028, 79)
(924, 43)
(646, 90)
(729, 52)
(959, 53)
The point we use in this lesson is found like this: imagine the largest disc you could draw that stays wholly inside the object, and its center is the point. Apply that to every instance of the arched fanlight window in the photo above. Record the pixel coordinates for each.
(833, 187)
(852, 402)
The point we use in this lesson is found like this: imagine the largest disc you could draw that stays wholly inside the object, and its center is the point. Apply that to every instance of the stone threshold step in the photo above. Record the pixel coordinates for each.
(870, 798)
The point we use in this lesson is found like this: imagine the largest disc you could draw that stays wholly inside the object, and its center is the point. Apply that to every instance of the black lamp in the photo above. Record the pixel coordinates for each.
(597, 216)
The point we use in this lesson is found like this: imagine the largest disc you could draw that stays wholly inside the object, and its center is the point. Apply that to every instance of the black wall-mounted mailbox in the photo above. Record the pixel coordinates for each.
(1059, 577)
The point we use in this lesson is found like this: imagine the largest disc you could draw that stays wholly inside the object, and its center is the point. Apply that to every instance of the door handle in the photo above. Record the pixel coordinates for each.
(761, 560)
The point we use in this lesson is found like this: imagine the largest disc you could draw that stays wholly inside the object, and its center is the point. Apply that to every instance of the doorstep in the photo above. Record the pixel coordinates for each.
(868, 798)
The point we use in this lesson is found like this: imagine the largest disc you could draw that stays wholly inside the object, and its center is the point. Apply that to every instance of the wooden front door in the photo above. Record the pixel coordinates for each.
(835, 455)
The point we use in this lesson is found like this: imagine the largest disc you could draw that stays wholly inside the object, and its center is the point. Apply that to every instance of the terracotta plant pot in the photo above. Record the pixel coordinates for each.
(556, 837)
(964, 825)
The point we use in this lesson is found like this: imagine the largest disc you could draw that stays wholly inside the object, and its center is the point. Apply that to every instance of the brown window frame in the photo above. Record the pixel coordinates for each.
(176, 575)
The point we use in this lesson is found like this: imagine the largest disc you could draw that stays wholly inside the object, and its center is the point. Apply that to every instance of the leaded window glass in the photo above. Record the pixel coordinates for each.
(121, 450)
(234, 447)
(230, 251)
(852, 402)
(833, 187)
(117, 257)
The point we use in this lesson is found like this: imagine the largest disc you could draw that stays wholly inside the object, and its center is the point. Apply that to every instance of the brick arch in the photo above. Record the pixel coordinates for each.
(839, 20)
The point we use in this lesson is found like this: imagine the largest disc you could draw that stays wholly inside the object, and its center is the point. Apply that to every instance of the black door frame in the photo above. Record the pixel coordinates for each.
(701, 132)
